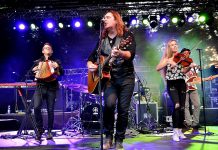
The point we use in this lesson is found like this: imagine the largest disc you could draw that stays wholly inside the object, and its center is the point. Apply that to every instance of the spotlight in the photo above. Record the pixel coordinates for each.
(77, 23)
(126, 20)
(134, 20)
(21, 26)
(178, 20)
(153, 21)
(205, 17)
(190, 18)
(49, 24)
(61, 25)
(89, 24)
(202, 17)
(174, 19)
(32, 26)
(163, 19)
(145, 20)
(94, 22)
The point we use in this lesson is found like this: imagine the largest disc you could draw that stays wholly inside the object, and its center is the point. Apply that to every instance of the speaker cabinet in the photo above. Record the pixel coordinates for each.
(145, 111)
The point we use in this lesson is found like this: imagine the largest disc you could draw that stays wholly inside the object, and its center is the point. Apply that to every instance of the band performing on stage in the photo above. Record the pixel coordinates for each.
(135, 75)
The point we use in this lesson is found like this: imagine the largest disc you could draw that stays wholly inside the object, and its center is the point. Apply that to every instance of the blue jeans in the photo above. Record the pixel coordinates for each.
(49, 95)
(117, 94)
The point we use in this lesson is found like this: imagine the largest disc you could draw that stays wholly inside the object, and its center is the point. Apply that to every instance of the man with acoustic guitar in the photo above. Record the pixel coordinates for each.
(46, 70)
(192, 96)
(117, 52)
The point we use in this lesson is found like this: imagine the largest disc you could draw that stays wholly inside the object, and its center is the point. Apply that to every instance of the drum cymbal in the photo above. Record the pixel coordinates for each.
(78, 88)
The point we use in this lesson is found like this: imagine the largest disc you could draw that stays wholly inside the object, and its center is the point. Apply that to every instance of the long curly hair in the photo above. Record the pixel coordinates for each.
(120, 27)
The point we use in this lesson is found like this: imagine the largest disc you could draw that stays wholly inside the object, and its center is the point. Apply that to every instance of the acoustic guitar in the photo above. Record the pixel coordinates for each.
(106, 64)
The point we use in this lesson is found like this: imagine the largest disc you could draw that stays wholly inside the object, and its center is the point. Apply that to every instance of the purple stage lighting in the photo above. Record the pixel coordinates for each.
(164, 19)
(50, 25)
(77, 24)
(21, 26)
(190, 19)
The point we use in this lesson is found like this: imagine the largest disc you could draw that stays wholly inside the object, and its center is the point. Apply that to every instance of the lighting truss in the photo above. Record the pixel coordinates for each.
(68, 9)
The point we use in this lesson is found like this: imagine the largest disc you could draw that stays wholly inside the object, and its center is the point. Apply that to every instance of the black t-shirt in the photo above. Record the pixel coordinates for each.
(121, 67)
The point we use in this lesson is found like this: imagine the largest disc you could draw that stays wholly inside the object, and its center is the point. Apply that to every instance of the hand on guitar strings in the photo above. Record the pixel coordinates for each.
(115, 52)
(92, 67)
(54, 65)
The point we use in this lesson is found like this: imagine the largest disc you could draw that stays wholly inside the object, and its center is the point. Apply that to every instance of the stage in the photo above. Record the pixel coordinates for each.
(134, 140)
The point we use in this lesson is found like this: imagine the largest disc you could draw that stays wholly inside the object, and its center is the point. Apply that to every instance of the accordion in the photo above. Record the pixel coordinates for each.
(46, 72)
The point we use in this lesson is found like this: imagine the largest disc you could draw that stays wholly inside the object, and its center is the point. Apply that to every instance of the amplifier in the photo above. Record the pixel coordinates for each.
(144, 111)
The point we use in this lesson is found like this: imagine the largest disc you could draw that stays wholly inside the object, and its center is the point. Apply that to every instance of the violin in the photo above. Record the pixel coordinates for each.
(182, 59)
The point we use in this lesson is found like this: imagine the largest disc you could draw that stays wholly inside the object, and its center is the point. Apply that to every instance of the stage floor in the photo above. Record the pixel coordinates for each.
(134, 141)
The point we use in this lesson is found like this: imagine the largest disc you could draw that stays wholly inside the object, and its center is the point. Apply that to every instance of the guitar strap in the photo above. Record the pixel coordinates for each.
(106, 47)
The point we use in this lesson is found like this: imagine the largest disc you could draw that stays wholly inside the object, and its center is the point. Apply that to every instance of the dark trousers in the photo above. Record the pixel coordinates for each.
(47, 94)
(117, 94)
(177, 93)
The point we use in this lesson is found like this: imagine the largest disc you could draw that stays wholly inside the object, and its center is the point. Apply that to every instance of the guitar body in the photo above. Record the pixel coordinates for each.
(193, 80)
(190, 83)
(94, 78)
(106, 63)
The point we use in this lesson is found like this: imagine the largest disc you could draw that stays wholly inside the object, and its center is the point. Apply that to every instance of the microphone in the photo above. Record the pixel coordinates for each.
(102, 20)
(198, 49)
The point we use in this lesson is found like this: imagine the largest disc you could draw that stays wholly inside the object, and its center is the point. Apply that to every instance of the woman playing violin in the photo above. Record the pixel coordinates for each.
(174, 76)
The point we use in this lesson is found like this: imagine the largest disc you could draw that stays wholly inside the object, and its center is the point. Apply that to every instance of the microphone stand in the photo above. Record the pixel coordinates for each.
(203, 93)
(99, 83)
(139, 99)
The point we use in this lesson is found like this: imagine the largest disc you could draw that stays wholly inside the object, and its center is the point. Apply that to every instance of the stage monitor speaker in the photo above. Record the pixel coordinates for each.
(144, 113)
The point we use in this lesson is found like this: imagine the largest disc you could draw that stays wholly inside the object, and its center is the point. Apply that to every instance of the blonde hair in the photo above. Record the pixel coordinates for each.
(168, 52)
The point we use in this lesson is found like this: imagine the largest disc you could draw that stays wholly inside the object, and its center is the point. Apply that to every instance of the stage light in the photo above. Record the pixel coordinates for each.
(134, 21)
(190, 18)
(206, 18)
(163, 19)
(153, 21)
(76, 22)
(145, 20)
(32, 26)
(50, 25)
(174, 19)
(202, 18)
(61, 25)
(21, 26)
(89, 24)
(126, 20)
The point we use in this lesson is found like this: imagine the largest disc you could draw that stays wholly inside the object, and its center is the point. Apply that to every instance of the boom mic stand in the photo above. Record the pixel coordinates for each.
(203, 94)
